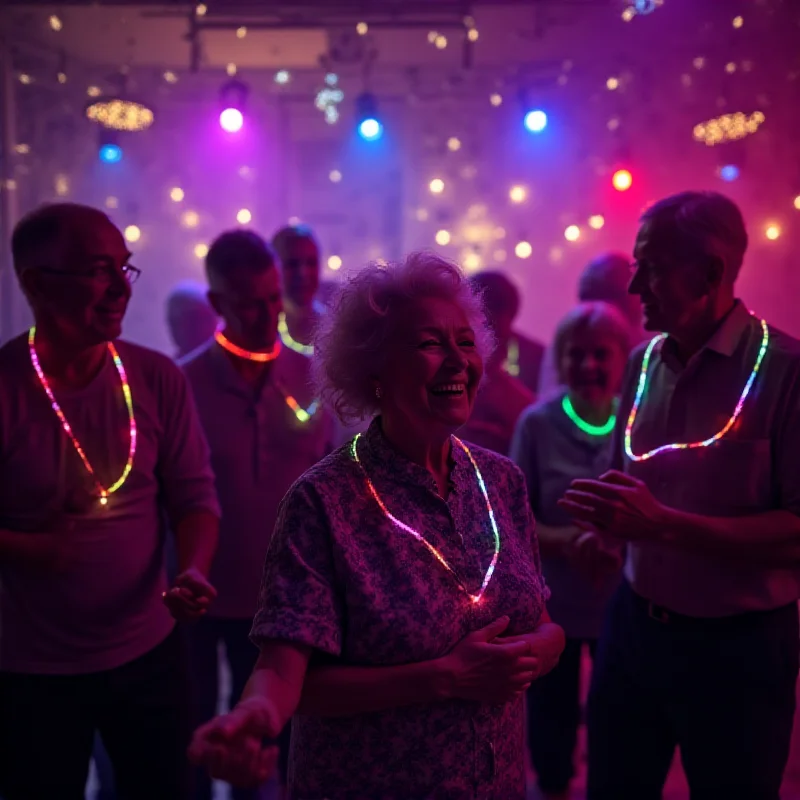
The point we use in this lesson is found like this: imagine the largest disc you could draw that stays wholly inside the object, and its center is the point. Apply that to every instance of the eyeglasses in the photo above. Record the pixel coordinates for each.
(99, 274)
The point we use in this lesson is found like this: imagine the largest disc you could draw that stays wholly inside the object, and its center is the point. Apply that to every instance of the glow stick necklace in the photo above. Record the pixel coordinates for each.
(224, 342)
(302, 414)
(511, 364)
(688, 445)
(103, 492)
(292, 344)
(476, 598)
(587, 427)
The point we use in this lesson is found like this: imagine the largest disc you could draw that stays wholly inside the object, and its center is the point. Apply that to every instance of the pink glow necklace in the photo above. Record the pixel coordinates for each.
(475, 598)
(102, 491)
(688, 445)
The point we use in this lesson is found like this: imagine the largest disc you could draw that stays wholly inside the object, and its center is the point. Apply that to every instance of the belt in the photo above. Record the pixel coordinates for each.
(666, 616)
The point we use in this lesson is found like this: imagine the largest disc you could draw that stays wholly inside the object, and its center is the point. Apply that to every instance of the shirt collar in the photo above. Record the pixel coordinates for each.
(380, 457)
(726, 337)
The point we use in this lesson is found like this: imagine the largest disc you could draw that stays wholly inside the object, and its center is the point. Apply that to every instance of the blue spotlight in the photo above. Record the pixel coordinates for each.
(370, 129)
(730, 172)
(536, 121)
(110, 153)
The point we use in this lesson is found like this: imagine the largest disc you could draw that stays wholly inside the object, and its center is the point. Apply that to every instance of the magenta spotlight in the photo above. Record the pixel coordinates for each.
(231, 120)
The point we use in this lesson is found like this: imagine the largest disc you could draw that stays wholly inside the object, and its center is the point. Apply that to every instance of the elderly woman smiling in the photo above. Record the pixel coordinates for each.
(402, 611)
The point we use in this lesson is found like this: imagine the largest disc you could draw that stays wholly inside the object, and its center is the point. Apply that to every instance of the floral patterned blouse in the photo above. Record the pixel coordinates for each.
(344, 580)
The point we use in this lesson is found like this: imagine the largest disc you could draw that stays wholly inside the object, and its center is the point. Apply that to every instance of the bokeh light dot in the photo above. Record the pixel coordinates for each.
(442, 237)
(453, 144)
(436, 186)
(596, 221)
(176, 194)
(334, 262)
(133, 233)
(190, 219)
(772, 231)
(523, 250)
(572, 233)
(201, 250)
(517, 194)
(622, 180)
(244, 216)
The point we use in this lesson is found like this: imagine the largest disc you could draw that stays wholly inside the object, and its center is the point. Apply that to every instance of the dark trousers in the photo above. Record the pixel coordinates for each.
(554, 714)
(723, 691)
(141, 709)
(205, 636)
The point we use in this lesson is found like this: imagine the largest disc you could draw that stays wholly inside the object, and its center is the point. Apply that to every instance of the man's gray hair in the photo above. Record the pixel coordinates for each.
(703, 224)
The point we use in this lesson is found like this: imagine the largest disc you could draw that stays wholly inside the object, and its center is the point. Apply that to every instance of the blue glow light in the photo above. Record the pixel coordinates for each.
(370, 129)
(536, 121)
(111, 153)
(730, 172)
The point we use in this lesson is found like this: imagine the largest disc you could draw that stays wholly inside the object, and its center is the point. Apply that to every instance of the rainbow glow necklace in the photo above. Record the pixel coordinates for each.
(475, 598)
(292, 344)
(262, 358)
(102, 491)
(688, 445)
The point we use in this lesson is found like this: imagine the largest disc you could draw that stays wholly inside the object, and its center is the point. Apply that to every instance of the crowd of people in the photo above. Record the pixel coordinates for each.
(401, 521)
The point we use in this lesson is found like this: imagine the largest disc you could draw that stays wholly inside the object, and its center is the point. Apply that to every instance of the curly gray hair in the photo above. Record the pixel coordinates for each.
(350, 340)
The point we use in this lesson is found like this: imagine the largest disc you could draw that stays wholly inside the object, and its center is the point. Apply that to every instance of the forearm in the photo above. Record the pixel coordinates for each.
(278, 675)
(343, 691)
(196, 536)
(770, 539)
(554, 539)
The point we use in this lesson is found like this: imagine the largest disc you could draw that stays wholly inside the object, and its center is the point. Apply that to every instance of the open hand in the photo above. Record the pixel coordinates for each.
(616, 504)
(232, 747)
(487, 669)
(190, 597)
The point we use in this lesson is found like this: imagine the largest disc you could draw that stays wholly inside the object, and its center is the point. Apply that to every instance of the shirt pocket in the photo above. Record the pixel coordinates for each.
(729, 478)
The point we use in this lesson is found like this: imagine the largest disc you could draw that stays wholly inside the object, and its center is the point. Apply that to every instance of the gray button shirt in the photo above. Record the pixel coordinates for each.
(552, 451)
(753, 469)
(258, 450)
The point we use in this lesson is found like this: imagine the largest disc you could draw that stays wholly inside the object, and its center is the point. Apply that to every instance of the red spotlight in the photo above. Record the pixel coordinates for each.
(622, 180)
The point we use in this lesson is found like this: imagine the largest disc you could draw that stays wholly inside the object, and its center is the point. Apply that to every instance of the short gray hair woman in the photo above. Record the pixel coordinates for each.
(402, 611)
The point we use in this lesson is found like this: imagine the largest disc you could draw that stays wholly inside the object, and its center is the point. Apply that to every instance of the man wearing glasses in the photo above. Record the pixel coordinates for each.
(99, 445)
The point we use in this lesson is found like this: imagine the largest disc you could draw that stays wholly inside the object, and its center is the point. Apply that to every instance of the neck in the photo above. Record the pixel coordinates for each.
(593, 413)
(432, 453)
(692, 338)
(69, 364)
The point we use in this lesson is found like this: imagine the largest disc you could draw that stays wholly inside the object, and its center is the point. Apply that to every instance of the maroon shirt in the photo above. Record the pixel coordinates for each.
(344, 580)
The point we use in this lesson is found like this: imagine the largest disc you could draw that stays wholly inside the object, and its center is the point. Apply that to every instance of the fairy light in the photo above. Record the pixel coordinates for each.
(442, 237)
(244, 216)
(103, 492)
(596, 221)
(511, 364)
(572, 233)
(475, 598)
(133, 233)
(612, 84)
(436, 186)
(201, 250)
(250, 355)
(334, 262)
(362, 29)
(453, 144)
(772, 231)
(176, 194)
(582, 424)
(688, 445)
(292, 344)
(517, 194)
(523, 250)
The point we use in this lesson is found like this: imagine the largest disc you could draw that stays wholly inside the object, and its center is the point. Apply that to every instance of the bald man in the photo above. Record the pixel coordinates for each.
(190, 318)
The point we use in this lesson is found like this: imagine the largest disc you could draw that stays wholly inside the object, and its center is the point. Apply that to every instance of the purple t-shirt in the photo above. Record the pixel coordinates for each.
(342, 579)
(259, 448)
(105, 608)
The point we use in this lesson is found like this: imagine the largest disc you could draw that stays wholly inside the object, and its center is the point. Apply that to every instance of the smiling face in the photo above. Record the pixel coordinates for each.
(592, 364)
(432, 368)
(79, 290)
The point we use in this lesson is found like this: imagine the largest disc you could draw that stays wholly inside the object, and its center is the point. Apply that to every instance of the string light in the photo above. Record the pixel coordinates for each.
(472, 34)
(292, 344)
(517, 194)
(728, 128)
(597, 221)
(475, 598)
(249, 355)
(523, 250)
(334, 262)
(582, 424)
(119, 114)
(440, 42)
(436, 186)
(688, 445)
(772, 231)
(442, 238)
(103, 492)
(133, 233)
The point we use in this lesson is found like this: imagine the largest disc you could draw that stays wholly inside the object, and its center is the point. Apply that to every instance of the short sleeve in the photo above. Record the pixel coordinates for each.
(522, 514)
(184, 459)
(523, 454)
(786, 446)
(300, 601)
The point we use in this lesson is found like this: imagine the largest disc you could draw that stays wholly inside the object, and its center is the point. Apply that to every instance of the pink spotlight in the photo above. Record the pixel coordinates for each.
(231, 120)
